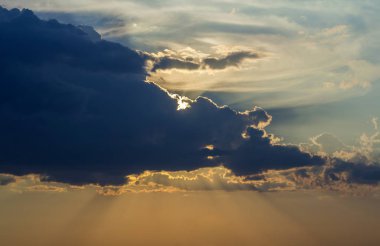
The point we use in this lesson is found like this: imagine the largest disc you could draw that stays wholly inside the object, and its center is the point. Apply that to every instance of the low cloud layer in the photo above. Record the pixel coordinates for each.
(6, 179)
(338, 176)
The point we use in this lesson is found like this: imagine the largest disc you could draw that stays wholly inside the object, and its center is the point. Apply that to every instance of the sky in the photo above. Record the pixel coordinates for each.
(319, 54)
(258, 117)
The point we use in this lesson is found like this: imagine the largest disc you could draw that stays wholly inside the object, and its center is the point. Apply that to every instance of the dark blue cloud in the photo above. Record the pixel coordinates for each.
(257, 153)
(77, 109)
(353, 173)
(36, 42)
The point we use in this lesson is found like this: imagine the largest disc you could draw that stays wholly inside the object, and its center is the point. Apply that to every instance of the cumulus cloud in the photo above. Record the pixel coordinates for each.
(203, 179)
(367, 149)
(260, 118)
(261, 148)
(327, 144)
(348, 168)
(77, 109)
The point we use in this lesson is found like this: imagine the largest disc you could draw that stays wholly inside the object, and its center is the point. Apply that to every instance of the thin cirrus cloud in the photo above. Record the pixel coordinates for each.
(77, 110)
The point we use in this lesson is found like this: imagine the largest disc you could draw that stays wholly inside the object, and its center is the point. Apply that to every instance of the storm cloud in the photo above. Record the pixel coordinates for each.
(77, 109)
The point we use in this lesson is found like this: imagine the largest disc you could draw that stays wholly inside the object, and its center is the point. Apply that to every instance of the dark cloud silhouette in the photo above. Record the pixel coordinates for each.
(26, 39)
(76, 109)
(257, 153)
(165, 63)
(336, 175)
(168, 61)
(230, 60)
(353, 173)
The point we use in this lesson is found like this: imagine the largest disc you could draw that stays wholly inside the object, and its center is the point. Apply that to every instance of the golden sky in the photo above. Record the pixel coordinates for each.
(83, 217)
(174, 122)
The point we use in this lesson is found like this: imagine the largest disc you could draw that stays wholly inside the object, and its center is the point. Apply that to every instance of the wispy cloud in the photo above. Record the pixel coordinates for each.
(308, 43)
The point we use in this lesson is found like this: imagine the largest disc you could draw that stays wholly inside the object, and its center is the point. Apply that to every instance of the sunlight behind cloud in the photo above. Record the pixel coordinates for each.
(309, 44)
(175, 122)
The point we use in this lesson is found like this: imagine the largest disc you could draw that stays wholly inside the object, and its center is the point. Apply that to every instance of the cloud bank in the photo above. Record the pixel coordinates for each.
(78, 109)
